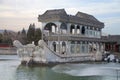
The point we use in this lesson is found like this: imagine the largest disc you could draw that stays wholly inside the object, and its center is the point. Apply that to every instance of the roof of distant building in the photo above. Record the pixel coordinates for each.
(115, 38)
(112, 38)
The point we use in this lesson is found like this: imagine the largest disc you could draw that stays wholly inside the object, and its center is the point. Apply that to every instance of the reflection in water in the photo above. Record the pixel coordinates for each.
(87, 69)
(45, 73)
(30, 73)
(12, 70)
(101, 71)
(67, 72)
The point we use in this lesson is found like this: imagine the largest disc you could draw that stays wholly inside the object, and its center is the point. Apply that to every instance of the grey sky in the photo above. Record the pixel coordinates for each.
(16, 14)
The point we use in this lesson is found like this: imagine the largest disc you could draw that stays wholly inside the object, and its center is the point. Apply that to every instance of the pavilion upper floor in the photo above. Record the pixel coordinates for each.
(58, 22)
(70, 29)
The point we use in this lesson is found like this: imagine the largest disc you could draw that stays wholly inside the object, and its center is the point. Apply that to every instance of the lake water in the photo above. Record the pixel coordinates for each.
(10, 69)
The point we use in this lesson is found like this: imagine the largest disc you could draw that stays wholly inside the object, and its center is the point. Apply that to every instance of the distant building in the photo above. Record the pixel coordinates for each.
(112, 43)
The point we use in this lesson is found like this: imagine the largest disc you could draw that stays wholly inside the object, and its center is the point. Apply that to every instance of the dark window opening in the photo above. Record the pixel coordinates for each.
(54, 46)
(63, 28)
(71, 29)
(78, 29)
(83, 30)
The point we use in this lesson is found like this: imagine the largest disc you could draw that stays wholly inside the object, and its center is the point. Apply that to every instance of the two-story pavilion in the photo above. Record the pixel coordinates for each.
(78, 34)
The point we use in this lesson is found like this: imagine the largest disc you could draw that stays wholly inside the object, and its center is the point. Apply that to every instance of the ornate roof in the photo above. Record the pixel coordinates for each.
(55, 12)
(86, 16)
(62, 16)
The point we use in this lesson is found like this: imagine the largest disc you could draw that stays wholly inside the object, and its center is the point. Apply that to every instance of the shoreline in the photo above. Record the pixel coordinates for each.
(8, 51)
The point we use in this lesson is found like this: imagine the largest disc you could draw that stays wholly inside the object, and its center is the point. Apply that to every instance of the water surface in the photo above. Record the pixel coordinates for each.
(10, 69)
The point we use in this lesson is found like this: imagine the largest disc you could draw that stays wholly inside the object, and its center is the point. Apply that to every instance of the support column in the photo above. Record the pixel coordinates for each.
(75, 30)
(88, 47)
(58, 25)
(80, 29)
(81, 47)
(100, 33)
(68, 28)
(75, 47)
(100, 46)
(43, 25)
(93, 29)
(94, 46)
(86, 31)
(103, 46)
(68, 47)
(111, 47)
(114, 46)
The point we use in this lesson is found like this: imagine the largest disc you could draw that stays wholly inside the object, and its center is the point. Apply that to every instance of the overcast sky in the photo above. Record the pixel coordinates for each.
(18, 14)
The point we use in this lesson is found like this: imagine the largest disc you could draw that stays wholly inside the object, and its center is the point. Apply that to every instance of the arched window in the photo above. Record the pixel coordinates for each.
(83, 30)
(78, 29)
(78, 47)
(63, 47)
(54, 46)
(63, 28)
(63, 44)
(72, 29)
(72, 47)
(51, 27)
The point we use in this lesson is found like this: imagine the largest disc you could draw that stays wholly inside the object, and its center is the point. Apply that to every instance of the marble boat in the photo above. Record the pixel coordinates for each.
(65, 38)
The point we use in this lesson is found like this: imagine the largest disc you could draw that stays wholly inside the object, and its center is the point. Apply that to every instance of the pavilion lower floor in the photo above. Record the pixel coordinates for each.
(76, 47)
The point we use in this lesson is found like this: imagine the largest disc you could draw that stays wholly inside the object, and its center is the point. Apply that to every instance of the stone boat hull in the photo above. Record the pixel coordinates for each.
(42, 54)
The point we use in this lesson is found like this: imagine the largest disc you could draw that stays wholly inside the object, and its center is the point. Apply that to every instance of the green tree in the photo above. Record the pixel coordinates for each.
(18, 33)
(5, 33)
(23, 32)
(6, 37)
(1, 37)
(31, 33)
(23, 36)
(37, 35)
